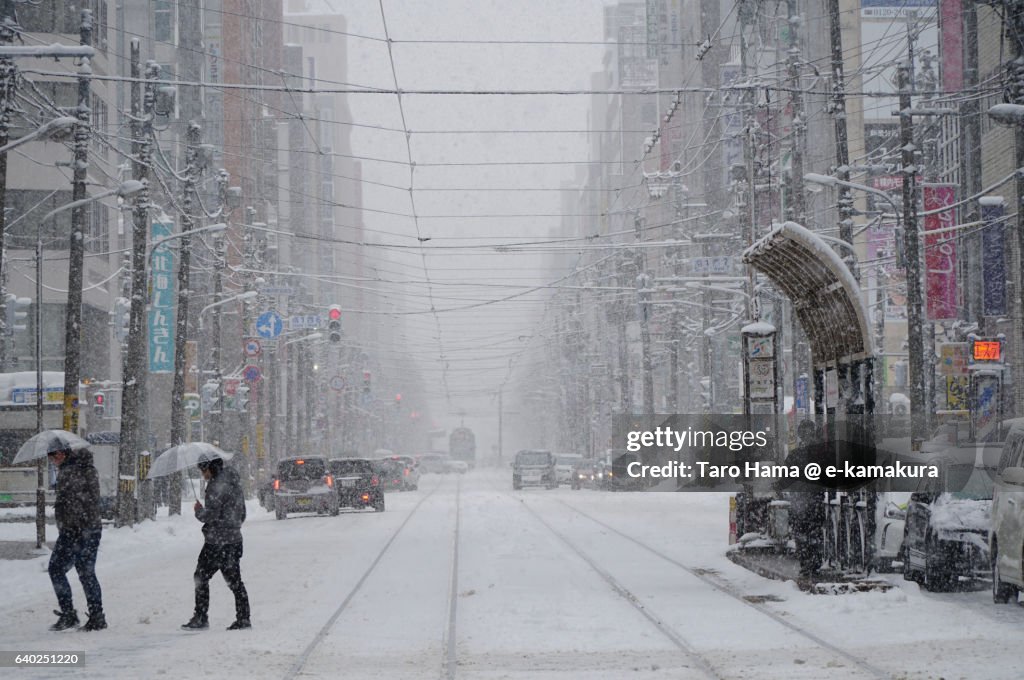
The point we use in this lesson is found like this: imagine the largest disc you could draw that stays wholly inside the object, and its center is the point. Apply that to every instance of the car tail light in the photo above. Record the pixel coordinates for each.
(374, 481)
(277, 485)
(329, 481)
(366, 497)
(406, 472)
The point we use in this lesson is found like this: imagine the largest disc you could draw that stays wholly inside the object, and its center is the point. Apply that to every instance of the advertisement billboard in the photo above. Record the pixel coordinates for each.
(940, 251)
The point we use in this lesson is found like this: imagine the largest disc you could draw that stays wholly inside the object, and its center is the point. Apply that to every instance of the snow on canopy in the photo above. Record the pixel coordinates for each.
(825, 295)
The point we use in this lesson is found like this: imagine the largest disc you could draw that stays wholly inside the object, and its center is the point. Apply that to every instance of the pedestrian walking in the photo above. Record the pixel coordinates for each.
(222, 519)
(77, 511)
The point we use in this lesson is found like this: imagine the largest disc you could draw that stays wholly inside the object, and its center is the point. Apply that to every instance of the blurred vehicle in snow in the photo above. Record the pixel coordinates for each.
(534, 467)
(304, 485)
(890, 521)
(357, 483)
(564, 464)
(945, 540)
(1006, 540)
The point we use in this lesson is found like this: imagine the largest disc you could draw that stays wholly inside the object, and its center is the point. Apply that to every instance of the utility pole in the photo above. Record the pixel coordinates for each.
(133, 396)
(643, 298)
(215, 433)
(1014, 13)
(915, 300)
(838, 110)
(8, 78)
(76, 251)
(192, 169)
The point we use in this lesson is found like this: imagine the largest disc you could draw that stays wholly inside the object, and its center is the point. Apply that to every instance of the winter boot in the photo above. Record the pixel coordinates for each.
(197, 622)
(68, 619)
(97, 621)
(240, 624)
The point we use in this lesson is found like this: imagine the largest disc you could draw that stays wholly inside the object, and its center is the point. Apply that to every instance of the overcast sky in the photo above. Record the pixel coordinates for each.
(469, 370)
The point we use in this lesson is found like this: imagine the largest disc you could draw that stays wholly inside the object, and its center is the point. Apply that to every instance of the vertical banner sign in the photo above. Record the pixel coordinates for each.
(940, 251)
(993, 256)
(161, 307)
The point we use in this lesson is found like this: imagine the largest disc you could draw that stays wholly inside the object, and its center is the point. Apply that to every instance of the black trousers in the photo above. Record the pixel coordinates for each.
(223, 558)
(76, 549)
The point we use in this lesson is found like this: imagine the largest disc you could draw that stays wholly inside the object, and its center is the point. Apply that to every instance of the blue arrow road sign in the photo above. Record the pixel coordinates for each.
(269, 324)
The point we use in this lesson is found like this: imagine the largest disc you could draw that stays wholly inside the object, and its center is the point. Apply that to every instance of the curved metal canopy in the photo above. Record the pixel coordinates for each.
(825, 295)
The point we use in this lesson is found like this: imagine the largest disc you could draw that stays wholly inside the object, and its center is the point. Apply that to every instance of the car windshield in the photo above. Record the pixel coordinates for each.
(976, 482)
(301, 468)
(346, 467)
(533, 458)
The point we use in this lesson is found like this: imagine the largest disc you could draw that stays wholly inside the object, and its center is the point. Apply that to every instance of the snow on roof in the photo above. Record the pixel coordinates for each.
(826, 296)
(991, 200)
(758, 328)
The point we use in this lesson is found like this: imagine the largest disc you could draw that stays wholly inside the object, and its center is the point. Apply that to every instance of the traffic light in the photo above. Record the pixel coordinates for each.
(211, 397)
(366, 382)
(99, 407)
(242, 398)
(16, 312)
(334, 323)
(398, 401)
(122, 317)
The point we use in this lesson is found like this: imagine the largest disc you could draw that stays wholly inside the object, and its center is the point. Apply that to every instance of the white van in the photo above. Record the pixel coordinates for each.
(1006, 540)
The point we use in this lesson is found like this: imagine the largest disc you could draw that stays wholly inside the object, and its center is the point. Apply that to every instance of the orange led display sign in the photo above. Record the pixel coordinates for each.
(987, 350)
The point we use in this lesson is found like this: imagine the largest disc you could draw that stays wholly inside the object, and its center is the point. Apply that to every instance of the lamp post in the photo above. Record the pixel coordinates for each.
(125, 189)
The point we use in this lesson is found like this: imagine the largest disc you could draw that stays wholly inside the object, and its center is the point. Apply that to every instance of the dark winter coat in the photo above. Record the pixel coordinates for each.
(224, 511)
(77, 506)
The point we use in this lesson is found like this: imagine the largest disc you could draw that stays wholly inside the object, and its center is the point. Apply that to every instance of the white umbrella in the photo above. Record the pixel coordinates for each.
(182, 456)
(48, 441)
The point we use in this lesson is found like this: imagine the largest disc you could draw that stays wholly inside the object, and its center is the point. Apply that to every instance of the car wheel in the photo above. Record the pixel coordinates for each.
(336, 509)
(1002, 592)
(379, 505)
(414, 487)
(935, 579)
(280, 513)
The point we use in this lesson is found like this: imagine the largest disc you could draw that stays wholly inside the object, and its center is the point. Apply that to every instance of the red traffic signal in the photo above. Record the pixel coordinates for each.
(98, 399)
(334, 313)
(398, 397)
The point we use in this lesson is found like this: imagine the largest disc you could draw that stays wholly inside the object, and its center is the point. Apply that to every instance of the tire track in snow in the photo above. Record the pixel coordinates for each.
(300, 662)
(726, 589)
(680, 643)
(449, 664)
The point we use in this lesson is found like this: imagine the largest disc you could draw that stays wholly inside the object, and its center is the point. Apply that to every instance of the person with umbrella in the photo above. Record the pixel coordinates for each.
(222, 519)
(77, 511)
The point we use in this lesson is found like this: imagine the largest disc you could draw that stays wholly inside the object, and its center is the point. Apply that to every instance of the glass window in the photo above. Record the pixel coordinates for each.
(163, 21)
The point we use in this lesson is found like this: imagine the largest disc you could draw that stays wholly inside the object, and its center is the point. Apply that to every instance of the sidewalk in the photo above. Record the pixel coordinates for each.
(767, 563)
(22, 550)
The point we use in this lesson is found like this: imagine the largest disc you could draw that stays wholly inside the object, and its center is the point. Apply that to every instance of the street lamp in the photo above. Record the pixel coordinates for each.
(125, 189)
(50, 131)
(830, 181)
(247, 295)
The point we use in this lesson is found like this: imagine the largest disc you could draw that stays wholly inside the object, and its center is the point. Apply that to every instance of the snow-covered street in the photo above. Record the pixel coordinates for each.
(467, 578)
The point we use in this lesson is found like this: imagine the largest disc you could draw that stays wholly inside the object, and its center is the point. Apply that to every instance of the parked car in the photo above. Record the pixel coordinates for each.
(945, 536)
(564, 464)
(357, 483)
(890, 521)
(617, 477)
(459, 466)
(391, 473)
(304, 485)
(534, 467)
(1006, 540)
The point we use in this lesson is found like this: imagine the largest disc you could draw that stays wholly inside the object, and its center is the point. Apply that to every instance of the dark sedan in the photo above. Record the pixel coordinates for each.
(357, 483)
